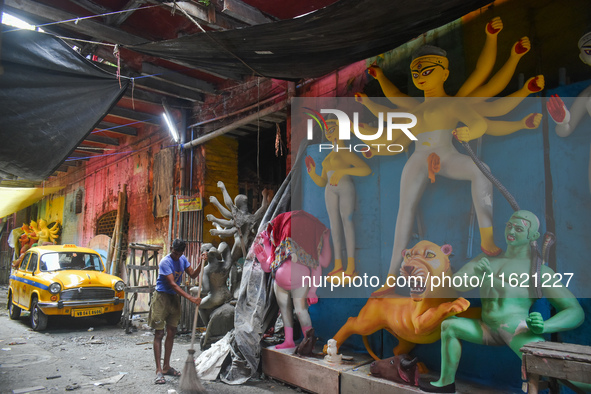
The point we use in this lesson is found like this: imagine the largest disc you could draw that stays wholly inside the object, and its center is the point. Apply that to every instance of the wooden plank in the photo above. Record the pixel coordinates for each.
(86, 150)
(166, 88)
(93, 7)
(163, 181)
(151, 97)
(100, 139)
(136, 289)
(309, 373)
(560, 355)
(135, 115)
(216, 21)
(566, 351)
(262, 124)
(359, 380)
(566, 347)
(143, 267)
(562, 369)
(116, 128)
(533, 383)
(244, 12)
(177, 78)
(138, 246)
(299, 372)
(276, 117)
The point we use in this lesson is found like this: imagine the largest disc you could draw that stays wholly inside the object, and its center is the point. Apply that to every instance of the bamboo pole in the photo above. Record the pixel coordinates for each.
(120, 263)
(111, 249)
(170, 220)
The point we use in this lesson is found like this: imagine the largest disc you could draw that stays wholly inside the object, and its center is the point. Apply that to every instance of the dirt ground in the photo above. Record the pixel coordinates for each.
(84, 355)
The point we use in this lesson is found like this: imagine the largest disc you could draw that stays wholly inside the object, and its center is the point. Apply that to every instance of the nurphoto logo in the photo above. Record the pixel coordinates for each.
(343, 123)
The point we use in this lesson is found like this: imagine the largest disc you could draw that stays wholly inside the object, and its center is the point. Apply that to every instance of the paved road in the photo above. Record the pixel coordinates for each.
(79, 353)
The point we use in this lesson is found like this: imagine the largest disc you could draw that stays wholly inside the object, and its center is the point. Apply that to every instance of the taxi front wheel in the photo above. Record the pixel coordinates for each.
(38, 318)
(13, 311)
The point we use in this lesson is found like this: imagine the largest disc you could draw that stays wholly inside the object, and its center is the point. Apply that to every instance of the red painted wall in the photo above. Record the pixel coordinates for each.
(103, 177)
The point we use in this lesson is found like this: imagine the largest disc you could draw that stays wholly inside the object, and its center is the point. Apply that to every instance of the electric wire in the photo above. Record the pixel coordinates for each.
(80, 18)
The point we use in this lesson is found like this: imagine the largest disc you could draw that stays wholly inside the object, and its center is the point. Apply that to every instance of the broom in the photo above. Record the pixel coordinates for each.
(189, 382)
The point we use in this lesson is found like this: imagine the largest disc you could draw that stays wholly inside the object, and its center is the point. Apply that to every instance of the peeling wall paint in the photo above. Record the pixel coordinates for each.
(102, 178)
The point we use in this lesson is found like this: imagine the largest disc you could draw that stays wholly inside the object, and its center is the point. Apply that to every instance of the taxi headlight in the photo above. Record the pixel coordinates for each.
(119, 286)
(55, 288)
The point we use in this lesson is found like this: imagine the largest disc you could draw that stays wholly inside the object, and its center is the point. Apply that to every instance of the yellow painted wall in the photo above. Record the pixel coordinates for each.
(221, 164)
(54, 209)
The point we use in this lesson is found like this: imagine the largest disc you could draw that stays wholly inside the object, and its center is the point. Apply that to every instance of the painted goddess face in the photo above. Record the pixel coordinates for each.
(585, 48)
(429, 72)
(331, 132)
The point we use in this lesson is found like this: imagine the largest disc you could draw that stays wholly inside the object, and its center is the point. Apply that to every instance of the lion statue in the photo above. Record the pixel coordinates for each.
(415, 319)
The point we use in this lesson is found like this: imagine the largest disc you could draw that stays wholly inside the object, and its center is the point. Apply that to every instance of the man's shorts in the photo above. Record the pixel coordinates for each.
(165, 310)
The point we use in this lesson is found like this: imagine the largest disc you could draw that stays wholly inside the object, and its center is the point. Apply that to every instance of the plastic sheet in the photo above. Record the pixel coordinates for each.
(51, 98)
(314, 44)
(13, 199)
(209, 363)
(256, 309)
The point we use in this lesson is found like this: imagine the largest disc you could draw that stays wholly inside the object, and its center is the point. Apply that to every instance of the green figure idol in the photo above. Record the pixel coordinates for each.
(505, 319)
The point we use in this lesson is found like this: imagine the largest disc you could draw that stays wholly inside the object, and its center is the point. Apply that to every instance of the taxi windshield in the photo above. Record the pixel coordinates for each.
(70, 261)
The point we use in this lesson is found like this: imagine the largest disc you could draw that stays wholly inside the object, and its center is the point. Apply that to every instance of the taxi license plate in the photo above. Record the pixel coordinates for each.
(87, 312)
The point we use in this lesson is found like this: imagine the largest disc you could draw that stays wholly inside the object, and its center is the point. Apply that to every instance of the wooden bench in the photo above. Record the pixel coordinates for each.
(563, 361)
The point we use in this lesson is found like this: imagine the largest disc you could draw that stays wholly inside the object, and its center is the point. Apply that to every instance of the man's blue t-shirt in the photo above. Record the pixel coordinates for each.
(169, 266)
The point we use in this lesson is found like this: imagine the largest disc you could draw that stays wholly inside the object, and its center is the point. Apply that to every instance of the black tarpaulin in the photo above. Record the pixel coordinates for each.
(51, 98)
(315, 44)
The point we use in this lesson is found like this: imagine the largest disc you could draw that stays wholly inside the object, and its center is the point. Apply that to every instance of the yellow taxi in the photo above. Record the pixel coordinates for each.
(64, 280)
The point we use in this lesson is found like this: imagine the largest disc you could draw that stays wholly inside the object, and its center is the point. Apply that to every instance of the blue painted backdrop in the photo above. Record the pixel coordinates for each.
(517, 161)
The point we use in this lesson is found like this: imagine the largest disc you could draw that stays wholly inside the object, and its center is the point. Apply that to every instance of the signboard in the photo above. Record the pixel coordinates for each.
(188, 203)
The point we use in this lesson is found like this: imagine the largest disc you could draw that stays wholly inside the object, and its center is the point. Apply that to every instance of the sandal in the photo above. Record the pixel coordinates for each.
(159, 379)
(172, 372)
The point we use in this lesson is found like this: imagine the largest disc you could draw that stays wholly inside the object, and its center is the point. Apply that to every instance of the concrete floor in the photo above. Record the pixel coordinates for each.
(79, 353)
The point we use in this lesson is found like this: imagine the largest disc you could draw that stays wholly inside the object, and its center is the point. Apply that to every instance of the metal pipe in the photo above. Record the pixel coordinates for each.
(472, 226)
(248, 119)
(170, 219)
(191, 164)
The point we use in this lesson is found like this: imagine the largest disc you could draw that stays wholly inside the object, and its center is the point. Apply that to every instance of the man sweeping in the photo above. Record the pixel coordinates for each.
(165, 309)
